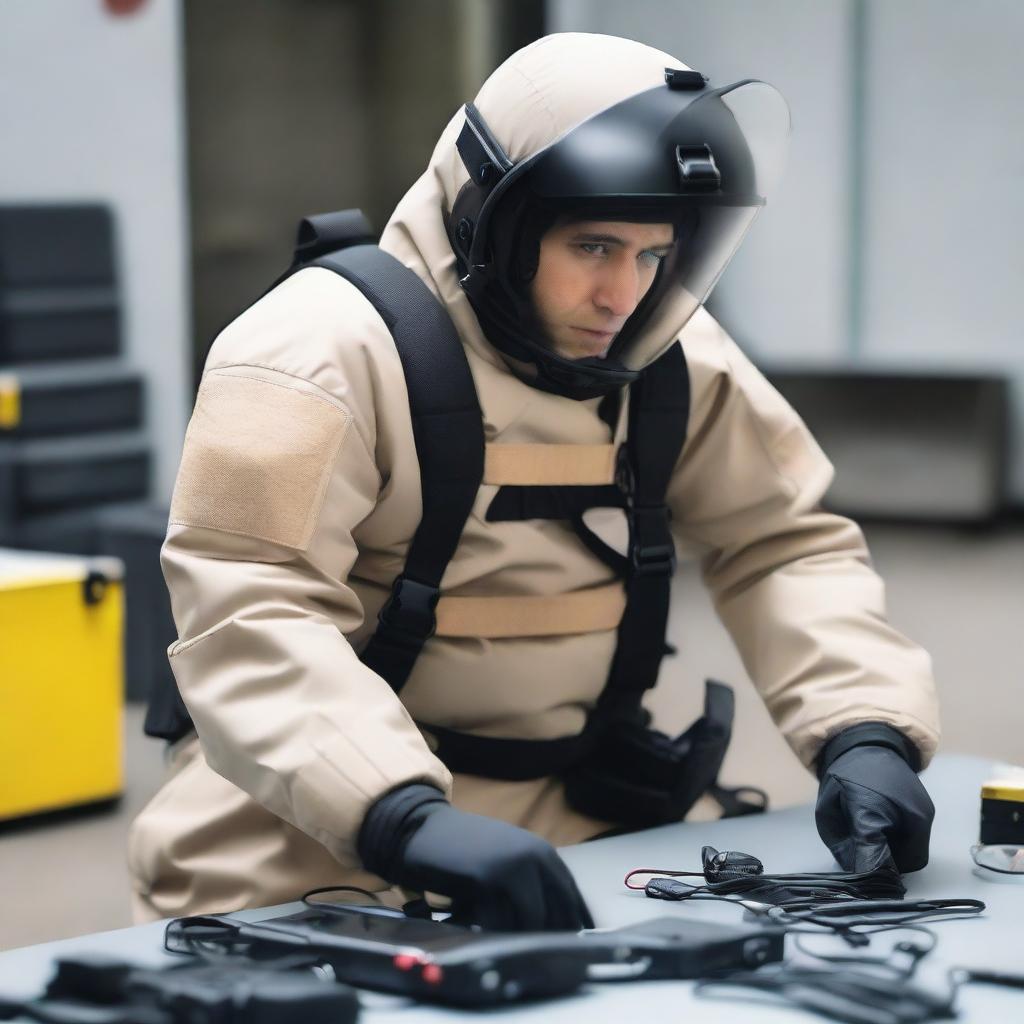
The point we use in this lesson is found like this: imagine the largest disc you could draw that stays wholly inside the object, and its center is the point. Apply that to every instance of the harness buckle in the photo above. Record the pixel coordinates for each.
(408, 614)
(651, 551)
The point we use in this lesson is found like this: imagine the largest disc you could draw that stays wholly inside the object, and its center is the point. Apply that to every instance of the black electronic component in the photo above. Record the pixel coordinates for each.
(678, 78)
(679, 947)
(1002, 813)
(103, 990)
(385, 950)
(440, 962)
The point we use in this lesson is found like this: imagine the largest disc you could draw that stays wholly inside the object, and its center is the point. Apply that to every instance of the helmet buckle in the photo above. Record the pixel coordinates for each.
(698, 171)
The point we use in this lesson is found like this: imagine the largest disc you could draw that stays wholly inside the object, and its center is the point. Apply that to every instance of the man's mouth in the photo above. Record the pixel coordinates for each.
(594, 344)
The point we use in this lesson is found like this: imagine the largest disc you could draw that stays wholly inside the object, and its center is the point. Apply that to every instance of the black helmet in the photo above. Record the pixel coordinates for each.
(683, 153)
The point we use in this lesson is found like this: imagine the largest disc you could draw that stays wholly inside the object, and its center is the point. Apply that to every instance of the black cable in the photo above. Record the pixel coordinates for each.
(740, 874)
(379, 908)
(911, 953)
(849, 904)
(860, 918)
(844, 994)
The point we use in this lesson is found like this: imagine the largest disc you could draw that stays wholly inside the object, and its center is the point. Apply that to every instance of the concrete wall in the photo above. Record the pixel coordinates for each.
(90, 109)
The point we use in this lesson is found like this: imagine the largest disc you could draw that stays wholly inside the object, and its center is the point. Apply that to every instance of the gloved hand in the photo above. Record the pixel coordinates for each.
(498, 876)
(872, 809)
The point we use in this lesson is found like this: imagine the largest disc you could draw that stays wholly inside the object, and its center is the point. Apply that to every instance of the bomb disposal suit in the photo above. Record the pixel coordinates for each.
(357, 723)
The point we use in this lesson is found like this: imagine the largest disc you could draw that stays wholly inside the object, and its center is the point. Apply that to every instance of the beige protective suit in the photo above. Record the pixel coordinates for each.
(297, 498)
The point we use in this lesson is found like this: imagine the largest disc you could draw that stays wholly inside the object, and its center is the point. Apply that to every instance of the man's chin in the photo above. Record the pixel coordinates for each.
(584, 348)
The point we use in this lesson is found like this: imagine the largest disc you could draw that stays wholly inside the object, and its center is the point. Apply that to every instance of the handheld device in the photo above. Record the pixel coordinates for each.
(446, 963)
(381, 949)
(682, 947)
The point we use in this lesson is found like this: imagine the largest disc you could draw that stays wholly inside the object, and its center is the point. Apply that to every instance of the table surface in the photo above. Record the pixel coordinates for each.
(784, 840)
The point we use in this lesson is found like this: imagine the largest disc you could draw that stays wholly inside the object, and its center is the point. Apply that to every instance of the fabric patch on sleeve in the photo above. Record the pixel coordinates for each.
(257, 460)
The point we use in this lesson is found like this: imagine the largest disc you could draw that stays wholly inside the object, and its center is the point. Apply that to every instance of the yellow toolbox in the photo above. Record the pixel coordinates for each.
(61, 681)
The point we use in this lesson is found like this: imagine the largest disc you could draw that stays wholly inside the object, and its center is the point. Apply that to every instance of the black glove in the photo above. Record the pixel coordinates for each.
(497, 875)
(872, 809)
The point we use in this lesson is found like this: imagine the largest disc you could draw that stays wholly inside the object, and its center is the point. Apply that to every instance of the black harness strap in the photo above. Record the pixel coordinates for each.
(448, 431)
(658, 414)
(514, 760)
(556, 501)
(659, 411)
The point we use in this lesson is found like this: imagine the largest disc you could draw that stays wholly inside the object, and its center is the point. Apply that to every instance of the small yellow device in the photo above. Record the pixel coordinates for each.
(1002, 812)
(10, 401)
(61, 681)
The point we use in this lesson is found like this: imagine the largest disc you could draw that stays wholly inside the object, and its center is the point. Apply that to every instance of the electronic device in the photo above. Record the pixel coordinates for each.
(682, 947)
(382, 949)
(102, 990)
(440, 962)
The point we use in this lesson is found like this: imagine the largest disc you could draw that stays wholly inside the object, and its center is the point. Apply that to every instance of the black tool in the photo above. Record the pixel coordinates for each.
(103, 990)
(680, 947)
(375, 947)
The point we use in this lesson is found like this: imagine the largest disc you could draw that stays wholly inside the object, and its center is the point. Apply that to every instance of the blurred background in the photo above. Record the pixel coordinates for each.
(157, 155)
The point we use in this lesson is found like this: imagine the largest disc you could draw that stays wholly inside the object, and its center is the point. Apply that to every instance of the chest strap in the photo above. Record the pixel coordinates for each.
(658, 415)
(539, 464)
(580, 611)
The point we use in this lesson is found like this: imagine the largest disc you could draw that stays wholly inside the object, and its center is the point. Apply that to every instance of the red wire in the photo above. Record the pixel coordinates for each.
(657, 871)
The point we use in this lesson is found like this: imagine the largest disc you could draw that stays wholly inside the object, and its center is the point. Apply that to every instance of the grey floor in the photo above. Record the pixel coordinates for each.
(959, 593)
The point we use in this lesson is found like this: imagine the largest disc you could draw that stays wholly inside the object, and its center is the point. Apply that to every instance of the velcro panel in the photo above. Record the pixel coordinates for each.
(258, 457)
(535, 464)
(582, 611)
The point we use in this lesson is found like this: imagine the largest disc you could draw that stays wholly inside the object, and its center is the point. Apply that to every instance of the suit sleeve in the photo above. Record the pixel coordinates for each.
(274, 478)
(793, 584)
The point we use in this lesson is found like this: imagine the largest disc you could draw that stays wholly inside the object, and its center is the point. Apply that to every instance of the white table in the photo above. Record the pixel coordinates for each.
(783, 840)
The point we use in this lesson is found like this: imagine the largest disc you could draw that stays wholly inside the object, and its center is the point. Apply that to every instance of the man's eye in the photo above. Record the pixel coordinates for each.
(652, 259)
(594, 248)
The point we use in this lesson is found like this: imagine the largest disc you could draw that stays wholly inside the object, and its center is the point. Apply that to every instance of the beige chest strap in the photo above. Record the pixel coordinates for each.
(538, 464)
(582, 611)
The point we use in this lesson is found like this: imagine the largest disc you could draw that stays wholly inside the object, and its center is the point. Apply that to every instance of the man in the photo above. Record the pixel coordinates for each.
(571, 222)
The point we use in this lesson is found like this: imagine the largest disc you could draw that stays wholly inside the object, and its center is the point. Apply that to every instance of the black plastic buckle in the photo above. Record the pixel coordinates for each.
(698, 171)
(625, 478)
(408, 613)
(651, 551)
(678, 78)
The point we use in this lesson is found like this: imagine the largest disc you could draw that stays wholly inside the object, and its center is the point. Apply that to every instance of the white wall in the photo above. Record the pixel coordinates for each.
(785, 294)
(895, 239)
(91, 109)
(944, 191)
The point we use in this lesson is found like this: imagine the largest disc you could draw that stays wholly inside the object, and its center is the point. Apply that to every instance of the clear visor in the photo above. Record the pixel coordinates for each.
(709, 229)
(762, 116)
(706, 239)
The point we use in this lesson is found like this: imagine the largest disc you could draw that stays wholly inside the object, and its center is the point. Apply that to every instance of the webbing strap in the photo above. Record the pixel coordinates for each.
(448, 431)
(513, 760)
(553, 502)
(658, 413)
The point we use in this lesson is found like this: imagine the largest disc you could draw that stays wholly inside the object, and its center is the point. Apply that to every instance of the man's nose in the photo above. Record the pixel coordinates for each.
(618, 290)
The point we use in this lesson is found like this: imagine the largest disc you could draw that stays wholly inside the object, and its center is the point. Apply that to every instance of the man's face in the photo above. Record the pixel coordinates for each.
(591, 275)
